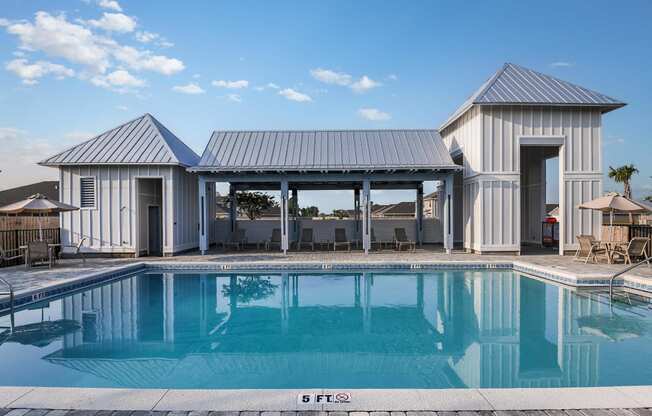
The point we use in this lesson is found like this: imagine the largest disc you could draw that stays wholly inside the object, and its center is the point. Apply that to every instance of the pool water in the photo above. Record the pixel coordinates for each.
(436, 329)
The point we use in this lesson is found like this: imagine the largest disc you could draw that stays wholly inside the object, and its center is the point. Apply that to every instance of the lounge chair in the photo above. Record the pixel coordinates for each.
(341, 240)
(275, 240)
(238, 240)
(377, 242)
(401, 239)
(307, 238)
(9, 255)
(634, 251)
(38, 252)
(590, 248)
(77, 248)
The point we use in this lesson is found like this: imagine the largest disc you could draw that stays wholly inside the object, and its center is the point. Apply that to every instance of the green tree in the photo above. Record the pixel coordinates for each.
(254, 203)
(309, 212)
(623, 174)
(340, 213)
(648, 198)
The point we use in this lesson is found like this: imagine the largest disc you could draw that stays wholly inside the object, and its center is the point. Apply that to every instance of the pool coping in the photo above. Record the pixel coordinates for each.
(71, 398)
(550, 273)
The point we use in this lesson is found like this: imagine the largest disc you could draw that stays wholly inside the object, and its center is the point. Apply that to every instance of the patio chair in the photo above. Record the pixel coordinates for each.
(377, 242)
(275, 240)
(590, 248)
(307, 238)
(635, 250)
(77, 248)
(38, 252)
(341, 240)
(237, 240)
(401, 239)
(9, 255)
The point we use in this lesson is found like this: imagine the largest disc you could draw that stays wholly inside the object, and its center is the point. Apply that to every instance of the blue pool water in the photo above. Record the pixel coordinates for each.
(436, 329)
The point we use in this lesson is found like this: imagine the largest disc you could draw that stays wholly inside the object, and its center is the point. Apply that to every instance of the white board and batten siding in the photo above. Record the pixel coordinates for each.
(111, 225)
(491, 136)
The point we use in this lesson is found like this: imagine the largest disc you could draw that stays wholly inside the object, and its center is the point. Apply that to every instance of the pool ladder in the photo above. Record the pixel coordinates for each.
(623, 271)
(10, 292)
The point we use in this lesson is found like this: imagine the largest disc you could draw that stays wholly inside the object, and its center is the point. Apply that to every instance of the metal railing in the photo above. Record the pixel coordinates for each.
(625, 270)
(10, 292)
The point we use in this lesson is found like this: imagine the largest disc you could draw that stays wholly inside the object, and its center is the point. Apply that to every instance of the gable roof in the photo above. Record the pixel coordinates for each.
(47, 188)
(324, 150)
(143, 140)
(514, 84)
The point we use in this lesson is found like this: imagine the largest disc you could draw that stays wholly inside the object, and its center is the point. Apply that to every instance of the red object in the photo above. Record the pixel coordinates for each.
(551, 220)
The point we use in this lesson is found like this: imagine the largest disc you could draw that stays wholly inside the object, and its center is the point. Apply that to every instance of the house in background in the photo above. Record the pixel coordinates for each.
(47, 188)
(431, 205)
(405, 209)
(134, 193)
(503, 135)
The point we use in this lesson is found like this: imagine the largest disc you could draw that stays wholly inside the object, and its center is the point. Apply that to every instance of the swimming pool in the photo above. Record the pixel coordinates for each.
(366, 329)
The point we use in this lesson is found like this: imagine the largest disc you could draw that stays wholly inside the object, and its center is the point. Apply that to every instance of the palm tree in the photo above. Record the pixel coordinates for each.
(623, 175)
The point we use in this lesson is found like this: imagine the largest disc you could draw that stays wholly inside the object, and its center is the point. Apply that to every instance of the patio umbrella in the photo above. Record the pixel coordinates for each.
(614, 203)
(37, 204)
(614, 328)
(40, 334)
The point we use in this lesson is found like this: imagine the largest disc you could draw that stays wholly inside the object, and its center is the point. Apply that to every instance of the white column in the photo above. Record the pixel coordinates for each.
(168, 307)
(366, 215)
(356, 211)
(418, 214)
(284, 217)
(203, 216)
(233, 211)
(295, 215)
(448, 214)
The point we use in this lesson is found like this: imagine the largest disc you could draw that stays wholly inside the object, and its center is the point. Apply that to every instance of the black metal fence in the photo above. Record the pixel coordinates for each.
(13, 239)
(642, 231)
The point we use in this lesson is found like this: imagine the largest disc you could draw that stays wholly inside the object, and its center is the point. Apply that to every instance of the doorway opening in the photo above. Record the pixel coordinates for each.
(150, 216)
(540, 209)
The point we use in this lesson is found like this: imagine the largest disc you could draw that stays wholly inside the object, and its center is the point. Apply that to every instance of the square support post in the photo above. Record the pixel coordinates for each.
(233, 209)
(295, 215)
(284, 217)
(366, 215)
(356, 211)
(418, 214)
(448, 214)
(203, 216)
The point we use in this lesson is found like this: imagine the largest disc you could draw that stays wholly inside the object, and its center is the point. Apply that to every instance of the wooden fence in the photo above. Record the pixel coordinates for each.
(8, 223)
(642, 231)
(12, 239)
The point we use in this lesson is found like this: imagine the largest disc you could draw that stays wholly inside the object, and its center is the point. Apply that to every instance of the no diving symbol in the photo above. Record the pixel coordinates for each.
(342, 397)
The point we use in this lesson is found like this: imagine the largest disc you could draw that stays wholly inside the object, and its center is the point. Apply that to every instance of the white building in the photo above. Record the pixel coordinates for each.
(134, 193)
(502, 135)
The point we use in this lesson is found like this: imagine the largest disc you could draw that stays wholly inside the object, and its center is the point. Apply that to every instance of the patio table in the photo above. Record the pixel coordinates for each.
(611, 247)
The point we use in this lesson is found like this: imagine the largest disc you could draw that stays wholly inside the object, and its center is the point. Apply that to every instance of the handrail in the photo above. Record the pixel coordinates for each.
(11, 301)
(625, 270)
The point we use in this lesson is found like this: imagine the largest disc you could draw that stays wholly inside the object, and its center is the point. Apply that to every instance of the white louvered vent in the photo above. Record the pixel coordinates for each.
(87, 192)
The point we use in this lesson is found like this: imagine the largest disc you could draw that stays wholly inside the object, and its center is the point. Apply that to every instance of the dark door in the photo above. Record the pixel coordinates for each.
(154, 220)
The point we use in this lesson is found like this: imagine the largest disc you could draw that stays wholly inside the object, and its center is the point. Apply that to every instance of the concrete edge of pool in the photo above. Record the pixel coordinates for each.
(361, 400)
(550, 273)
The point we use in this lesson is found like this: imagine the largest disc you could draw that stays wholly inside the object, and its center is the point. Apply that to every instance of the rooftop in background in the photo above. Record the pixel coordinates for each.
(324, 151)
(47, 188)
(516, 85)
(143, 140)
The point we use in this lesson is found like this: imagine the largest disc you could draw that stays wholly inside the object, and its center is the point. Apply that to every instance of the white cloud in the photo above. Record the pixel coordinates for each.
(165, 44)
(145, 60)
(233, 85)
(146, 37)
(561, 64)
(190, 88)
(121, 107)
(331, 77)
(115, 22)
(110, 4)
(30, 73)
(392, 77)
(4, 22)
(120, 81)
(273, 86)
(234, 97)
(364, 84)
(293, 95)
(55, 36)
(20, 154)
(79, 136)
(373, 114)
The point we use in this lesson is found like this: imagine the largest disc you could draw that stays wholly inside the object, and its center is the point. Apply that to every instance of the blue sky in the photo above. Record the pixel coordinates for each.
(71, 69)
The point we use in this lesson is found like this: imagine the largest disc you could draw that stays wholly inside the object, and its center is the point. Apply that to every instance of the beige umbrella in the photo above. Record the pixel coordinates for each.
(37, 204)
(611, 203)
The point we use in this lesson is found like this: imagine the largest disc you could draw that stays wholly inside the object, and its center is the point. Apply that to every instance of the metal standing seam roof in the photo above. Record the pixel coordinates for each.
(514, 84)
(323, 150)
(143, 140)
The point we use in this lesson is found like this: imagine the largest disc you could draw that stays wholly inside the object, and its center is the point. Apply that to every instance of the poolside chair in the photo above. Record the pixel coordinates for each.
(307, 238)
(634, 251)
(590, 248)
(341, 240)
(401, 239)
(77, 248)
(238, 240)
(9, 255)
(38, 252)
(377, 242)
(275, 240)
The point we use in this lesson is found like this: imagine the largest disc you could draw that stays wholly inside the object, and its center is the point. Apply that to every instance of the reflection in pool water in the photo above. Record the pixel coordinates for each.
(356, 330)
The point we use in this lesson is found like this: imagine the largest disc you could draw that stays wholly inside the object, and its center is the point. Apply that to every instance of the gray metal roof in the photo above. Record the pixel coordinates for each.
(514, 84)
(360, 150)
(140, 141)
